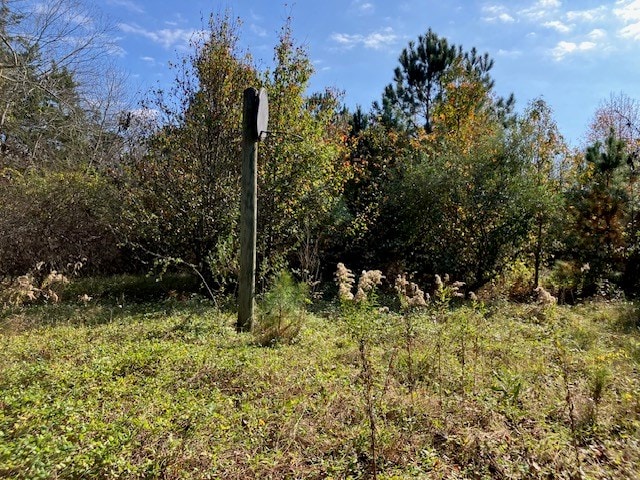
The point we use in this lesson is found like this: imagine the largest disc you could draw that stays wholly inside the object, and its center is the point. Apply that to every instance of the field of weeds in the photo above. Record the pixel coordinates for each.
(170, 390)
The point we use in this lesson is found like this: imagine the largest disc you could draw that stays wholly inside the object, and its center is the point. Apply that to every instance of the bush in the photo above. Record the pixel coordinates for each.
(567, 280)
(58, 218)
(514, 283)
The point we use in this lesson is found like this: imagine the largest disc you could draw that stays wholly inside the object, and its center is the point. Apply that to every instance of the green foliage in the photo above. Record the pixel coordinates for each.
(455, 197)
(301, 171)
(57, 218)
(183, 194)
(282, 311)
(567, 279)
(58, 203)
(127, 288)
(417, 79)
(464, 213)
(545, 154)
(513, 283)
(420, 82)
(184, 200)
(508, 386)
(599, 208)
(366, 236)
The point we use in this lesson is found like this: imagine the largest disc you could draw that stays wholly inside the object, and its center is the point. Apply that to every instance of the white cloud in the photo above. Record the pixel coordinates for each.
(509, 53)
(320, 66)
(506, 18)
(592, 15)
(166, 37)
(597, 34)
(629, 13)
(127, 4)
(567, 48)
(362, 7)
(116, 50)
(380, 39)
(496, 13)
(374, 41)
(345, 39)
(631, 31)
(629, 10)
(82, 20)
(258, 30)
(558, 26)
(541, 9)
(178, 20)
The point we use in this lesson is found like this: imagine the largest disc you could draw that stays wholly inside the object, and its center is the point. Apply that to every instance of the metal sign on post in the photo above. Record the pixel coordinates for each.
(262, 117)
(255, 117)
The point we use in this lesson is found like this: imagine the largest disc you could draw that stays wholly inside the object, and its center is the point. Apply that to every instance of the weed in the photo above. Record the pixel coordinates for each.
(411, 298)
(509, 386)
(168, 389)
(363, 322)
(599, 380)
(563, 362)
(36, 285)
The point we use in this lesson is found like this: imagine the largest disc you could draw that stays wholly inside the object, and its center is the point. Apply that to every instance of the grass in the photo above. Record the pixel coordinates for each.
(169, 390)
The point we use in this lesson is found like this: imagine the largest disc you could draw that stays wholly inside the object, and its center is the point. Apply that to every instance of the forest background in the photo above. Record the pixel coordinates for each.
(439, 175)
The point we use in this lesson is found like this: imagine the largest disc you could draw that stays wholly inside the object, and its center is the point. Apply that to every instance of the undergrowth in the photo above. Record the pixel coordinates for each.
(465, 390)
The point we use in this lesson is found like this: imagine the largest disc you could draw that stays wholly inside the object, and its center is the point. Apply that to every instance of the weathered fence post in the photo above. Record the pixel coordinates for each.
(255, 115)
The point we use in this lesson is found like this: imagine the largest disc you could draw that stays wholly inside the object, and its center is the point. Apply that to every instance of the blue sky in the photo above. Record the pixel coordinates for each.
(574, 54)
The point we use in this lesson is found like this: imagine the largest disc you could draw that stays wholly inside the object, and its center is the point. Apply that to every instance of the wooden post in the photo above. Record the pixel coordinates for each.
(248, 211)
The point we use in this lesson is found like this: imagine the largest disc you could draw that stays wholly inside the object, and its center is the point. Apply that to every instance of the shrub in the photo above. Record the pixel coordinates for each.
(514, 283)
(567, 280)
(57, 218)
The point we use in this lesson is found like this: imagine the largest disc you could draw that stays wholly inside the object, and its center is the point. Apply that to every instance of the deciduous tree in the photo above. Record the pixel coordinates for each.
(184, 192)
(545, 152)
(302, 165)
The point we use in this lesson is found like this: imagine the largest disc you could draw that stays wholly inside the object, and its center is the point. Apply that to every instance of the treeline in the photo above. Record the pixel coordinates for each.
(438, 176)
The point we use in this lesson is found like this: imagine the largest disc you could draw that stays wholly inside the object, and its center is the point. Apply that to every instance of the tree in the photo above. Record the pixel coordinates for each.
(420, 78)
(619, 113)
(54, 75)
(464, 212)
(184, 205)
(545, 152)
(598, 203)
(183, 193)
(302, 166)
(417, 79)
(436, 187)
(366, 235)
(55, 207)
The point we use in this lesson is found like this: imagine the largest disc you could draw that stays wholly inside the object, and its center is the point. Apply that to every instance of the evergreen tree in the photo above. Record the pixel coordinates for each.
(417, 80)
(599, 206)
(409, 102)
